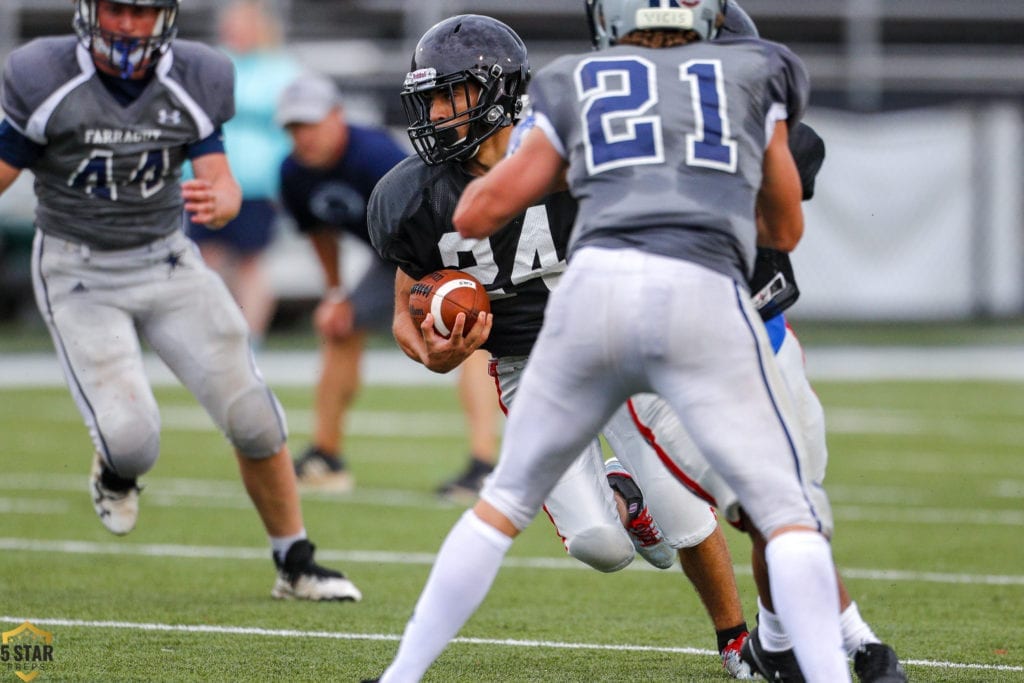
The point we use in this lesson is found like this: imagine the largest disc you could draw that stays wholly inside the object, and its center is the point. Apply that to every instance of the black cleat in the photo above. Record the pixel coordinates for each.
(878, 663)
(317, 470)
(300, 578)
(773, 666)
(465, 487)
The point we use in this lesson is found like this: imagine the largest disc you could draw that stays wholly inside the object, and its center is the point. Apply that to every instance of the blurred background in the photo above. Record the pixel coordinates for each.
(919, 211)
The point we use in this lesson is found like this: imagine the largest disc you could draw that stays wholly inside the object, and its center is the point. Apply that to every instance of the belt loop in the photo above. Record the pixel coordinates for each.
(85, 251)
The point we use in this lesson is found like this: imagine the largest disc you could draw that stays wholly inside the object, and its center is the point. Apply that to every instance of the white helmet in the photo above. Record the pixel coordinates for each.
(610, 20)
(126, 54)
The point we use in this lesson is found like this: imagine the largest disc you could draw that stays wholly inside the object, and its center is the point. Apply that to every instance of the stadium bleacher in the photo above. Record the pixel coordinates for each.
(862, 54)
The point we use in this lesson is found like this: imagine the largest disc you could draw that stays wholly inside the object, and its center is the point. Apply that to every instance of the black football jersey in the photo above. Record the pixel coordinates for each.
(410, 221)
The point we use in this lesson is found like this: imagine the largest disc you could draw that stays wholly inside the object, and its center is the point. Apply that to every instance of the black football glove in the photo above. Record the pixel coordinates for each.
(773, 285)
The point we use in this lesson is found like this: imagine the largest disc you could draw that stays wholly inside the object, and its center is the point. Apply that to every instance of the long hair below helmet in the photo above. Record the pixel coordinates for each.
(476, 64)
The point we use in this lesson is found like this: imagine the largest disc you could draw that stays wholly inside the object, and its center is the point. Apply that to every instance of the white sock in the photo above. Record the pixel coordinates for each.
(465, 567)
(281, 544)
(805, 594)
(770, 631)
(856, 631)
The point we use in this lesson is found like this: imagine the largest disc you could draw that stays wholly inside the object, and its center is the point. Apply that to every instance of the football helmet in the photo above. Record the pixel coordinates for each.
(463, 50)
(126, 54)
(610, 20)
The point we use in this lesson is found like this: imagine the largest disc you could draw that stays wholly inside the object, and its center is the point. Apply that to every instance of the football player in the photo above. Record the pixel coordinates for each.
(105, 121)
(463, 94)
(669, 143)
(774, 289)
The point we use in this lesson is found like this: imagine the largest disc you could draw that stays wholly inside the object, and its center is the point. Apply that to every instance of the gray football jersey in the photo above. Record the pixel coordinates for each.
(109, 174)
(665, 146)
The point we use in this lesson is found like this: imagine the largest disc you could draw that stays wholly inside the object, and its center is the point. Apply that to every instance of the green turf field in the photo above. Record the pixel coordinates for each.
(927, 482)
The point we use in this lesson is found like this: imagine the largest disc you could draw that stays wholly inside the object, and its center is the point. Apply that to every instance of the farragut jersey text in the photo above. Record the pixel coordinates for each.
(108, 136)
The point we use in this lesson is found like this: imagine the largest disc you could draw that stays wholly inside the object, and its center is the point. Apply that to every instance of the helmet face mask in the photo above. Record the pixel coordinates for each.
(478, 67)
(610, 20)
(439, 140)
(126, 55)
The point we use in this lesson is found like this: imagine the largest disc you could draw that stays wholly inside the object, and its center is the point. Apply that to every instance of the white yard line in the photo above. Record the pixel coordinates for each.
(997, 363)
(850, 503)
(72, 547)
(391, 367)
(341, 635)
(360, 422)
(280, 368)
(192, 417)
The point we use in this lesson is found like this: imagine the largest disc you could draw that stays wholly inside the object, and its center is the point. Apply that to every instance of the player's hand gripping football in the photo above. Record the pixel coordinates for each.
(444, 354)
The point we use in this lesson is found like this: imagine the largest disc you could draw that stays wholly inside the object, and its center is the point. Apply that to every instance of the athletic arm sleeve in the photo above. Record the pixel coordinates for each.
(16, 149)
(211, 144)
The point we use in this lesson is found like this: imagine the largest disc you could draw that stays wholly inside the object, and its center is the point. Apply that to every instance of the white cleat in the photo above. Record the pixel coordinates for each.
(732, 660)
(649, 542)
(117, 509)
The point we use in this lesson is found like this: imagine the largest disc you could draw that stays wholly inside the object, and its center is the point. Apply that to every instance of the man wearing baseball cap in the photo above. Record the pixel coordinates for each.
(307, 99)
(326, 183)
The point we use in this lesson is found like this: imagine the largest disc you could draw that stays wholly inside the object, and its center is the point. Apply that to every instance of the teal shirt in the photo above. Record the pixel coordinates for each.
(255, 144)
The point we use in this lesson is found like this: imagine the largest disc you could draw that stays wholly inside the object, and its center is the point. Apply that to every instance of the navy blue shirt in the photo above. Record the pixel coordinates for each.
(335, 199)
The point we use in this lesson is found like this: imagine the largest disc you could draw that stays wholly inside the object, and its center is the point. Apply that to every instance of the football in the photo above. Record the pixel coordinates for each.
(446, 293)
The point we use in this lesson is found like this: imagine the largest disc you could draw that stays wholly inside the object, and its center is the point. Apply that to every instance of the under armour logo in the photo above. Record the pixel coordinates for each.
(172, 117)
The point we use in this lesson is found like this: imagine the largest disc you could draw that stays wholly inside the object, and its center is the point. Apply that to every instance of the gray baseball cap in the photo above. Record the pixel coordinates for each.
(307, 99)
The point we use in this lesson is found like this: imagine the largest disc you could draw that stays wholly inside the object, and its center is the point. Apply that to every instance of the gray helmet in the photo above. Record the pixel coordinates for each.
(468, 48)
(124, 53)
(610, 20)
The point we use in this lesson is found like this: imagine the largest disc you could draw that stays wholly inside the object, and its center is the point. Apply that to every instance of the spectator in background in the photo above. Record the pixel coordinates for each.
(326, 183)
(251, 36)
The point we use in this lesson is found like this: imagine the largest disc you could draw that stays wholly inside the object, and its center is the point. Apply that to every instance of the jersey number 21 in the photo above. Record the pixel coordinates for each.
(620, 130)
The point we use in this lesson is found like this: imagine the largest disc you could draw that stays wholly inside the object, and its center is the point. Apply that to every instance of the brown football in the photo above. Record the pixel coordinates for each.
(446, 293)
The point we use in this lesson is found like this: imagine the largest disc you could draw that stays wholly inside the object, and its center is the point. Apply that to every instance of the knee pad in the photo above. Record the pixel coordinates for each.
(605, 548)
(255, 423)
(129, 441)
